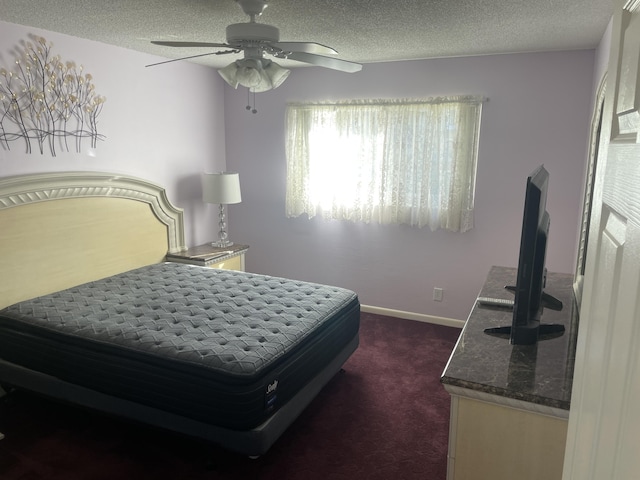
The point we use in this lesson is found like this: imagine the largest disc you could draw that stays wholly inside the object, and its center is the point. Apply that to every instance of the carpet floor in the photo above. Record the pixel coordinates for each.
(385, 417)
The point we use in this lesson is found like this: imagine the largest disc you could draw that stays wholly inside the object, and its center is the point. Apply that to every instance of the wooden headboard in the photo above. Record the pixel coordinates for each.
(58, 230)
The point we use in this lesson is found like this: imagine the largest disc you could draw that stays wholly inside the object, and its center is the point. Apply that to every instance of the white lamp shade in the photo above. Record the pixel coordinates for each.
(221, 188)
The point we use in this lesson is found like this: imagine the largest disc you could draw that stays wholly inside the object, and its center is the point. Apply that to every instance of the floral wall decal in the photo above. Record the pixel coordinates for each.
(47, 102)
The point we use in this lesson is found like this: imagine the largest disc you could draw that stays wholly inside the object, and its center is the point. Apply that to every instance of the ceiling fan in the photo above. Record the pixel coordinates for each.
(256, 40)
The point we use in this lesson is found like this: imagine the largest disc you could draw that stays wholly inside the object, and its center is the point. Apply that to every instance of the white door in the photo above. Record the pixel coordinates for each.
(604, 423)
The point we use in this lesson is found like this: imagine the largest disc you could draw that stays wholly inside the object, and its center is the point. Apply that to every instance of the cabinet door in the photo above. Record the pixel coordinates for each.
(233, 263)
(502, 443)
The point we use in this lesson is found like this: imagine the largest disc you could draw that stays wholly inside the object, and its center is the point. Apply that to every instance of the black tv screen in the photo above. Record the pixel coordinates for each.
(530, 297)
(531, 276)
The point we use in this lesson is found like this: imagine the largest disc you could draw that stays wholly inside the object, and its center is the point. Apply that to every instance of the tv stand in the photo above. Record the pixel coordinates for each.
(546, 331)
(534, 331)
(510, 403)
(548, 301)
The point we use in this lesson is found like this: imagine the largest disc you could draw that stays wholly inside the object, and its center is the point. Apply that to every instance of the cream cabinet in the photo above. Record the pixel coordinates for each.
(510, 403)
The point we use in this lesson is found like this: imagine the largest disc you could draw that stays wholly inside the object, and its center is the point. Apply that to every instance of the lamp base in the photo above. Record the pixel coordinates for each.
(221, 243)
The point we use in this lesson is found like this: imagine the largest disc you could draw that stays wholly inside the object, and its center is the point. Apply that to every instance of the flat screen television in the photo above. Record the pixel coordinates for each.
(530, 297)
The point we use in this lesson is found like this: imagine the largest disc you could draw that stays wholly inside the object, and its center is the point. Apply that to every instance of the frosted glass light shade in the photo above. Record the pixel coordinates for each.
(276, 74)
(230, 74)
(221, 188)
(258, 75)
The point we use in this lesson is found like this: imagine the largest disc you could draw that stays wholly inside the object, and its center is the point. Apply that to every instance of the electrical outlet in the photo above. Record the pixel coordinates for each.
(437, 294)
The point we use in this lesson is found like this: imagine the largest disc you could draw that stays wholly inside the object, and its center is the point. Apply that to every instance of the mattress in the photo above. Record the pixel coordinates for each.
(222, 347)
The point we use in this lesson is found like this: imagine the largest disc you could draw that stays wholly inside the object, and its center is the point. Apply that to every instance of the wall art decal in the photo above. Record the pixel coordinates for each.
(47, 102)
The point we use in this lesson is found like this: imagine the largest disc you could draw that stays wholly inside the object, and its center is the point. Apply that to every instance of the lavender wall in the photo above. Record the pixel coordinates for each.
(538, 112)
(167, 124)
(164, 124)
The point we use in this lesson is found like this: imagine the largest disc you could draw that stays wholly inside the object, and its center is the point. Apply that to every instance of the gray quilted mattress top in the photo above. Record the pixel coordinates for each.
(231, 322)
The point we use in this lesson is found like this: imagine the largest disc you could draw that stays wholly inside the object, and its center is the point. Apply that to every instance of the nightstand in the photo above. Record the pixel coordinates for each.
(228, 258)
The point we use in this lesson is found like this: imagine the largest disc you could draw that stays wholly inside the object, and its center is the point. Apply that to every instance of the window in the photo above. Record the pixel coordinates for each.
(384, 161)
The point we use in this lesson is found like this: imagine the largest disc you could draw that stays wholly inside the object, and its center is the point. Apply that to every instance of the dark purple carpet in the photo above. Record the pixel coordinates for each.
(385, 417)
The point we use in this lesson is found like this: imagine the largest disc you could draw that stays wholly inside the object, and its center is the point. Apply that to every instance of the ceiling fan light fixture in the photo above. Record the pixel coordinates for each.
(257, 75)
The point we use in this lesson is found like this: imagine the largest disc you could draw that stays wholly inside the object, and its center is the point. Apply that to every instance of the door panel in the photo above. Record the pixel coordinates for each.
(603, 435)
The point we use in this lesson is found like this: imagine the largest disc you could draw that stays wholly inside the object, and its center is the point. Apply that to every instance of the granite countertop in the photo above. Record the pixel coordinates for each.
(540, 374)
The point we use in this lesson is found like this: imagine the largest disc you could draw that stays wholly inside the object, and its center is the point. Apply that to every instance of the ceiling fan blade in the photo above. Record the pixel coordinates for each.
(305, 47)
(193, 56)
(189, 44)
(327, 62)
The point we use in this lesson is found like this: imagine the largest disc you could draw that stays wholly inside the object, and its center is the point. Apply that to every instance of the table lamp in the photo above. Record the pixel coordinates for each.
(221, 189)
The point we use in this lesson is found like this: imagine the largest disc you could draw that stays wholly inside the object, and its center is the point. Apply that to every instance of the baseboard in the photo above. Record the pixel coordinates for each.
(419, 317)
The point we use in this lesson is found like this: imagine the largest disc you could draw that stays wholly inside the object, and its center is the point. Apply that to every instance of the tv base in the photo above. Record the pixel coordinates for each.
(548, 301)
(528, 335)
(533, 330)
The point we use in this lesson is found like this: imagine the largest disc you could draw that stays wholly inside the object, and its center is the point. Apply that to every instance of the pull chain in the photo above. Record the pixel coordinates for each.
(250, 108)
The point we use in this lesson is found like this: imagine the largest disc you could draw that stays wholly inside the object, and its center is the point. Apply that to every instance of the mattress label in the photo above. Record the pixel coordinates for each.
(271, 395)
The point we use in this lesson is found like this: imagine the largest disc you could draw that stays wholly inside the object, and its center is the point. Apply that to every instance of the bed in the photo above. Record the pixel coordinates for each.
(92, 314)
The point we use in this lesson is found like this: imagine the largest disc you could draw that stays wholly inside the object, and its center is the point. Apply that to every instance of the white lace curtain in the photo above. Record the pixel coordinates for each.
(384, 161)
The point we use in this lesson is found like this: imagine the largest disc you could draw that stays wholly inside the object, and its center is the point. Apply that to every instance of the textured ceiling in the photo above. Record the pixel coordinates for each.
(362, 31)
